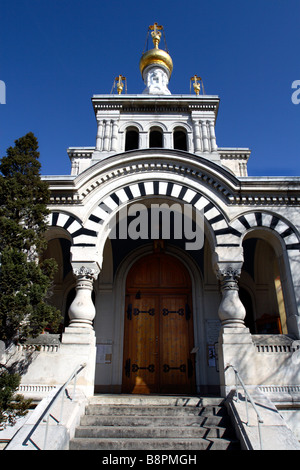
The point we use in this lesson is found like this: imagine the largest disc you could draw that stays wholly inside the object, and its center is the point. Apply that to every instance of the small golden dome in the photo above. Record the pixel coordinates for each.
(156, 56)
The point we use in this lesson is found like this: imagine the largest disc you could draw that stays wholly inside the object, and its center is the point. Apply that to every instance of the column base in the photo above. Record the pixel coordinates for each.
(78, 346)
(236, 348)
(78, 335)
(81, 324)
(233, 324)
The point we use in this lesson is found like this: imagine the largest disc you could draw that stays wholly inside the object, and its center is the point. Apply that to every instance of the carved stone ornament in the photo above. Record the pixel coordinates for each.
(231, 310)
(156, 81)
(228, 275)
(85, 272)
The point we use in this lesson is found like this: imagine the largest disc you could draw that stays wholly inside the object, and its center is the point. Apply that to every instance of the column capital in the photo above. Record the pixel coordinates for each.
(228, 272)
(86, 272)
(228, 261)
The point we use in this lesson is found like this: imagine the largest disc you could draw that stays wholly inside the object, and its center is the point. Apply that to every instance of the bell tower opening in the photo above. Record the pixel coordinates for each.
(179, 139)
(155, 138)
(132, 139)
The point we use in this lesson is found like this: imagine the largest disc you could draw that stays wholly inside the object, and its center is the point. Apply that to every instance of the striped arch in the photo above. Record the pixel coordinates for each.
(80, 236)
(271, 221)
(224, 235)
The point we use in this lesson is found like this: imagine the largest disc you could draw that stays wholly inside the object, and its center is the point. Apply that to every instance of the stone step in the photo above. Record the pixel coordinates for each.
(139, 432)
(132, 422)
(158, 400)
(153, 444)
(185, 420)
(148, 410)
(143, 432)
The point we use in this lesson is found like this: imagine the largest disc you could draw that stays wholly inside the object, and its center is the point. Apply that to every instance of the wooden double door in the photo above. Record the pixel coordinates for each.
(158, 334)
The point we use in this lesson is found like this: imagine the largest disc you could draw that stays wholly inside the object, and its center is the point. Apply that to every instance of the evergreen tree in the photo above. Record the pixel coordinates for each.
(12, 405)
(25, 279)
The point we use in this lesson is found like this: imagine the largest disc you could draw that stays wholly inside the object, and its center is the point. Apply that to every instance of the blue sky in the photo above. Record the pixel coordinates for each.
(55, 54)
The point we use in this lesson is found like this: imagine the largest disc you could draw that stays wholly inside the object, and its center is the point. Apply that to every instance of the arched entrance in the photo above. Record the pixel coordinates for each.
(158, 333)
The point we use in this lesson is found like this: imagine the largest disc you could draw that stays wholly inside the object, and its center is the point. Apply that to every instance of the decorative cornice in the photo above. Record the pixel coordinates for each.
(144, 103)
(84, 152)
(243, 191)
(234, 153)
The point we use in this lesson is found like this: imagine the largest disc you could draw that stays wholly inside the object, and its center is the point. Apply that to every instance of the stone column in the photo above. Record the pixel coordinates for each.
(114, 136)
(82, 310)
(106, 141)
(99, 135)
(204, 136)
(167, 140)
(197, 136)
(231, 310)
(235, 346)
(143, 140)
(212, 134)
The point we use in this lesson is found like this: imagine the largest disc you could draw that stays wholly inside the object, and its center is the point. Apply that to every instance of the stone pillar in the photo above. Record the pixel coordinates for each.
(231, 310)
(114, 136)
(235, 346)
(106, 135)
(212, 134)
(78, 343)
(82, 310)
(197, 139)
(204, 136)
(143, 140)
(168, 140)
(99, 135)
(292, 287)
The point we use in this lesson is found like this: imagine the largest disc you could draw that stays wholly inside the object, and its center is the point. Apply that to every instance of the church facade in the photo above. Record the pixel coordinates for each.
(173, 262)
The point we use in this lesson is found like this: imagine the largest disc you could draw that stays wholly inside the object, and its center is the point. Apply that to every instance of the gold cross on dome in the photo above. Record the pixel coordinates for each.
(156, 34)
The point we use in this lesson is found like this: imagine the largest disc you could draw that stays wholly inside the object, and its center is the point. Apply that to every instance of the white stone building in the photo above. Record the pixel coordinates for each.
(156, 315)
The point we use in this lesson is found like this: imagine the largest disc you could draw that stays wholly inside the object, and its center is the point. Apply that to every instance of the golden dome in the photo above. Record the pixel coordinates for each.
(156, 56)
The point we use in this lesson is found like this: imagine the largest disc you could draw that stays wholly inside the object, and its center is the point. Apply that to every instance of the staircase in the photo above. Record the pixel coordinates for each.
(145, 422)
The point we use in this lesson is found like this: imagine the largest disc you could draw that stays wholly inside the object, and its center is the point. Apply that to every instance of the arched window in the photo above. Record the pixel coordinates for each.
(179, 139)
(156, 138)
(132, 139)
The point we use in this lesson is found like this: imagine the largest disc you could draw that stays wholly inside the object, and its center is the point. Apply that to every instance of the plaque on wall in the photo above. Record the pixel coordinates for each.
(104, 354)
(211, 355)
(212, 336)
(212, 331)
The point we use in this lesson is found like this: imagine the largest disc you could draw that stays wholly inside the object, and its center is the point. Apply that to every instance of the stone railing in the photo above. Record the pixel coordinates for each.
(43, 343)
(275, 344)
(277, 359)
(33, 390)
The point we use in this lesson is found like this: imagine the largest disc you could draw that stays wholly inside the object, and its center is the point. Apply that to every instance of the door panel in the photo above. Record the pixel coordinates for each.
(175, 344)
(141, 353)
(158, 330)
